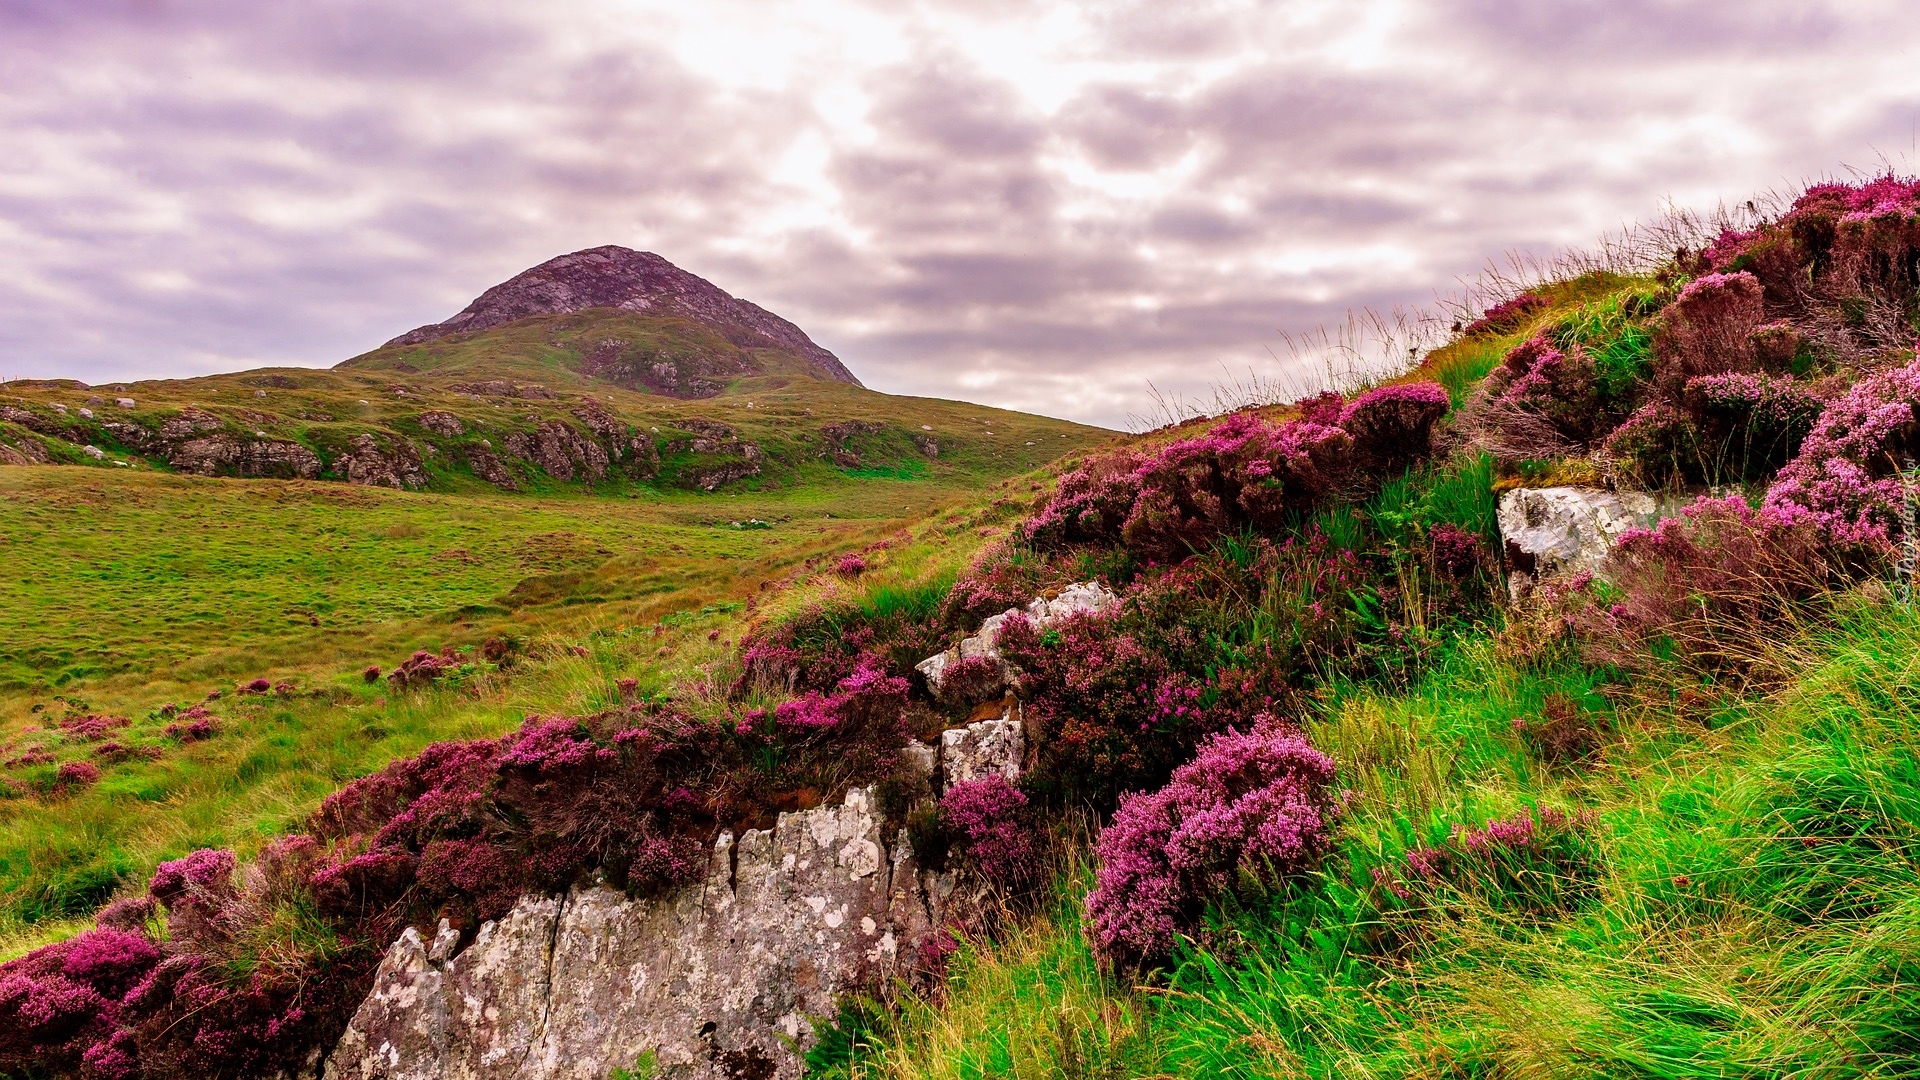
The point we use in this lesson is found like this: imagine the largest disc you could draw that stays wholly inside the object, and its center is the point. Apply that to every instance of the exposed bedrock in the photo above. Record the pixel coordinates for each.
(718, 980)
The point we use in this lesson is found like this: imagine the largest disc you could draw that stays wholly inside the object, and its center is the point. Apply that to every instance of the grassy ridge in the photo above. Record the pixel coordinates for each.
(1755, 918)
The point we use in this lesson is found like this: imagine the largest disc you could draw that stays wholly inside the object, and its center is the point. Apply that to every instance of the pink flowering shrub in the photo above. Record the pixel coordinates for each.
(1250, 808)
(1837, 242)
(424, 668)
(1709, 586)
(1507, 315)
(1455, 551)
(59, 1001)
(1241, 473)
(850, 565)
(1844, 479)
(1537, 863)
(988, 823)
(1542, 401)
(1390, 425)
(193, 725)
(1707, 330)
(1109, 714)
(74, 775)
(257, 686)
(371, 674)
(91, 728)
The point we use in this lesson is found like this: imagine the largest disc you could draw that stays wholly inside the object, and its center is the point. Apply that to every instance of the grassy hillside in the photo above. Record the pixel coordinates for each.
(1344, 785)
(137, 589)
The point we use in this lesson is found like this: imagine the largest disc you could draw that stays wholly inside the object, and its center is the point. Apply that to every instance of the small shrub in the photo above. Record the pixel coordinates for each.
(988, 821)
(850, 565)
(1249, 808)
(1711, 587)
(1844, 480)
(74, 775)
(1538, 863)
(1507, 315)
(1455, 551)
(1563, 734)
(1708, 330)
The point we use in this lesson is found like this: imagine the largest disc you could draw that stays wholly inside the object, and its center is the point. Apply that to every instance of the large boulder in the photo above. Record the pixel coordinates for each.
(718, 980)
(1557, 530)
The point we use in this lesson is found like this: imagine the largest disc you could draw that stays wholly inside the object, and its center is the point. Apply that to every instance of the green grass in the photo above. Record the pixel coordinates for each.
(130, 589)
(1756, 916)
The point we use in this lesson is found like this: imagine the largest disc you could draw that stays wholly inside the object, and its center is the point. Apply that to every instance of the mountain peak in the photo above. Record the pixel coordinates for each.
(629, 280)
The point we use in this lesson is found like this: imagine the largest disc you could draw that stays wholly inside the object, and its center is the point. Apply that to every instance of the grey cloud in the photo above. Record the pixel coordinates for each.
(199, 184)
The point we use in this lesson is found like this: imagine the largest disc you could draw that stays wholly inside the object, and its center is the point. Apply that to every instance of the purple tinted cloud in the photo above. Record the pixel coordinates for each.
(1038, 206)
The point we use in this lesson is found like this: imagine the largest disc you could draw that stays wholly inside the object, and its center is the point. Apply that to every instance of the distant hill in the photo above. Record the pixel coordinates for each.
(645, 284)
(606, 369)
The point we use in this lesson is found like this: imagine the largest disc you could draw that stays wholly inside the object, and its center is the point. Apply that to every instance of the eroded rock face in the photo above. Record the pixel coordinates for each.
(442, 423)
(396, 465)
(1549, 531)
(226, 455)
(718, 980)
(1088, 597)
(561, 451)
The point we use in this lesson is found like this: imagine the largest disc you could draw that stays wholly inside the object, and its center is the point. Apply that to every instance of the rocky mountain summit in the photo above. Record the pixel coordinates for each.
(636, 281)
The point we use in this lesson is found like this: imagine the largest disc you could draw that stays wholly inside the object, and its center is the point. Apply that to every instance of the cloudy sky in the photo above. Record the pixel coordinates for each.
(1045, 206)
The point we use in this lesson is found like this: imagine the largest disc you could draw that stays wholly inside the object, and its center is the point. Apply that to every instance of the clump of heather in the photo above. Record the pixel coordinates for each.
(1711, 585)
(1248, 810)
(1562, 734)
(1455, 551)
(987, 822)
(817, 648)
(1708, 330)
(1242, 473)
(193, 725)
(91, 728)
(1108, 713)
(1842, 258)
(1844, 480)
(850, 565)
(1507, 315)
(75, 775)
(1543, 401)
(1536, 863)
(423, 668)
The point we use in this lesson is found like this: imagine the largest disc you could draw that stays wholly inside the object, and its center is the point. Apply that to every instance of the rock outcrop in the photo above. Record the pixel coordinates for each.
(719, 980)
(1555, 530)
(638, 281)
(1084, 597)
(395, 465)
(228, 455)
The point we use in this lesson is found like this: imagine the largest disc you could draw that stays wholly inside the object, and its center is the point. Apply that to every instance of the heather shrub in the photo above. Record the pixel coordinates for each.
(989, 826)
(1242, 473)
(1751, 424)
(1391, 426)
(1658, 446)
(1538, 864)
(1844, 480)
(1507, 315)
(1454, 551)
(818, 647)
(850, 565)
(1248, 810)
(1541, 402)
(1708, 330)
(1108, 714)
(73, 775)
(1089, 505)
(1562, 734)
(1842, 260)
(1710, 588)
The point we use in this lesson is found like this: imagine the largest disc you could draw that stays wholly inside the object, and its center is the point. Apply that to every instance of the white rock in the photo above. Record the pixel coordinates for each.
(1081, 596)
(125, 402)
(94, 452)
(1549, 531)
(709, 978)
(86, 412)
(983, 748)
